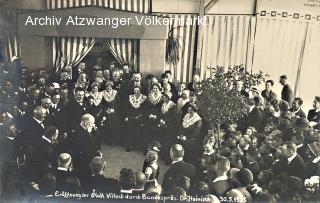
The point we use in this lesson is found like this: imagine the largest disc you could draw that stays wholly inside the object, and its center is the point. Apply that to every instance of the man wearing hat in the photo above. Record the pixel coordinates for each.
(314, 114)
(314, 163)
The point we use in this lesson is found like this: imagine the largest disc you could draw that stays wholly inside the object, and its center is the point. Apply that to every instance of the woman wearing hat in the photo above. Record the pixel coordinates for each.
(190, 133)
(314, 114)
(152, 112)
(133, 118)
(110, 117)
(167, 125)
(95, 98)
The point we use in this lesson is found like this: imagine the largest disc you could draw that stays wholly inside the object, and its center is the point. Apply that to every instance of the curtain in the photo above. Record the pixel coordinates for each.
(10, 46)
(126, 51)
(141, 6)
(227, 41)
(279, 48)
(187, 35)
(71, 50)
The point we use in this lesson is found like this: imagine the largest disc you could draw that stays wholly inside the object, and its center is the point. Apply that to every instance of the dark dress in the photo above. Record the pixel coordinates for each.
(134, 113)
(168, 131)
(152, 107)
(110, 120)
(190, 133)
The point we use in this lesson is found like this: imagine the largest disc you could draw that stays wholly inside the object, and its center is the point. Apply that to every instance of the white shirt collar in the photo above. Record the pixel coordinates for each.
(126, 191)
(224, 177)
(62, 169)
(10, 138)
(45, 138)
(316, 160)
(177, 161)
(292, 157)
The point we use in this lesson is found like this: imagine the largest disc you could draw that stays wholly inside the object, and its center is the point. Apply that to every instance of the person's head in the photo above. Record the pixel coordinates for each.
(64, 93)
(316, 102)
(167, 87)
(140, 180)
(137, 77)
(152, 156)
(168, 74)
(196, 78)
(156, 87)
(55, 99)
(245, 176)
(87, 121)
(35, 93)
(283, 79)
(251, 131)
(153, 80)
(46, 102)
(269, 84)
(82, 66)
(127, 179)
(39, 113)
(179, 193)
(47, 184)
(94, 88)
(192, 109)
(199, 189)
(182, 86)
(239, 85)
(297, 103)
(176, 152)
(137, 90)
(265, 176)
(51, 133)
(42, 81)
(65, 161)
(185, 94)
(116, 75)
(97, 165)
(79, 94)
(12, 130)
(211, 199)
(164, 78)
(236, 195)
(289, 149)
(109, 85)
(222, 165)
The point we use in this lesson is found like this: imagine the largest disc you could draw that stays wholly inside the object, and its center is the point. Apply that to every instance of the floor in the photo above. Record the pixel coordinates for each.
(117, 158)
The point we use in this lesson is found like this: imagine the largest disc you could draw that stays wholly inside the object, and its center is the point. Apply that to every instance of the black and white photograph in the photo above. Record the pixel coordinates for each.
(204, 101)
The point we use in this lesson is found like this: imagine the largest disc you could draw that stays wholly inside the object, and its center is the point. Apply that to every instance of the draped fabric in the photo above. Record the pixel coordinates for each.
(71, 50)
(227, 41)
(126, 51)
(187, 35)
(289, 47)
(141, 6)
(10, 46)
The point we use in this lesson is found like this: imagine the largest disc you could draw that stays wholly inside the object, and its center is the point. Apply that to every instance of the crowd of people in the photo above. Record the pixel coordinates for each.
(53, 125)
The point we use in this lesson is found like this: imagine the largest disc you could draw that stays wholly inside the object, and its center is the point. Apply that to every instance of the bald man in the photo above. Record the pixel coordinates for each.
(178, 169)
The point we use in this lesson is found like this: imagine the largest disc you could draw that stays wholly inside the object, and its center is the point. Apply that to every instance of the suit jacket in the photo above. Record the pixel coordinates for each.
(300, 113)
(176, 170)
(296, 167)
(72, 114)
(314, 116)
(221, 187)
(269, 97)
(287, 94)
(99, 183)
(61, 177)
(32, 131)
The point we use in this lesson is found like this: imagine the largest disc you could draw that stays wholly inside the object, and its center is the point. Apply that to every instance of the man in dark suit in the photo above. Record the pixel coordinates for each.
(286, 93)
(222, 183)
(178, 169)
(83, 146)
(97, 181)
(314, 114)
(74, 110)
(296, 108)
(291, 164)
(76, 71)
(33, 127)
(63, 171)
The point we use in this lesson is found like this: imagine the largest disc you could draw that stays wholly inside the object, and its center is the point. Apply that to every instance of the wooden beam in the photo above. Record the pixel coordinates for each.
(210, 5)
(200, 34)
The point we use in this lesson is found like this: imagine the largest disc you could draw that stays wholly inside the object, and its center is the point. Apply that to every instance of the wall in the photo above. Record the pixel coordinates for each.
(175, 6)
(25, 4)
(301, 6)
(233, 7)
